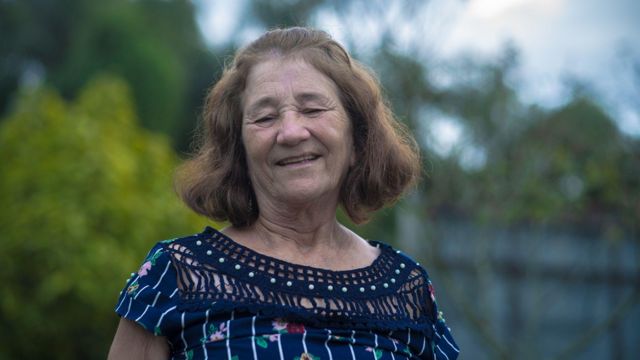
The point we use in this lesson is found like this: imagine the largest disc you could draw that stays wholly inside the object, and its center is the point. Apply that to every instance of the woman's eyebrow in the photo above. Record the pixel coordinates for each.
(263, 102)
(312, 97)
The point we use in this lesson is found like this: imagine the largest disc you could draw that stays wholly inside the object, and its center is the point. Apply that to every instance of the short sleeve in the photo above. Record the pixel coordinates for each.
(150, 297)
(444, 346)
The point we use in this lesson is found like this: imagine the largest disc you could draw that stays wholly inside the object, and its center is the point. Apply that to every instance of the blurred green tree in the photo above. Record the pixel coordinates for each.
(569, 166)
(85, 193)
(281, 13)
(155, 45)
(572, 167)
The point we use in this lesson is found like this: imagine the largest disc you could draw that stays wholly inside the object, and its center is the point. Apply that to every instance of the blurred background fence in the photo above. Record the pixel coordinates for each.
(536, 293)
(527, 216)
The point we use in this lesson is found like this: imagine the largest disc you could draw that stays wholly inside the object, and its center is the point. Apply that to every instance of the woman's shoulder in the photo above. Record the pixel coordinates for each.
(401, 261)
(190, 244)
(184, 240)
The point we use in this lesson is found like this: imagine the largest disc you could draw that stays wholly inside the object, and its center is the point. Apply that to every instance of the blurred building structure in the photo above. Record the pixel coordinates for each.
(532, 293)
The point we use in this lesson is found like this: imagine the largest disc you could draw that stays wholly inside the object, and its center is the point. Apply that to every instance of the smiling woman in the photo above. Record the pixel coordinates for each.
(298, 142)
(294, 129)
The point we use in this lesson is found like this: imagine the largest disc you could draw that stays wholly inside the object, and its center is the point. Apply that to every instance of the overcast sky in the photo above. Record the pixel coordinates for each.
(590, 39)
(593, 40)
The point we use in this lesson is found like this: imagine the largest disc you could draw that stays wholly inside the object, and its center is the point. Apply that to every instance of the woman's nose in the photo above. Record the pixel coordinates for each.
(292, 129)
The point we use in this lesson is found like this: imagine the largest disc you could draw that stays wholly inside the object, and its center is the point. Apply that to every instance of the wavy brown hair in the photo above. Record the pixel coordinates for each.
(215, 181)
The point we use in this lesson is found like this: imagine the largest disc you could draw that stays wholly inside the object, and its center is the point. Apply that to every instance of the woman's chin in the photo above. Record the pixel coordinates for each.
(301, 193)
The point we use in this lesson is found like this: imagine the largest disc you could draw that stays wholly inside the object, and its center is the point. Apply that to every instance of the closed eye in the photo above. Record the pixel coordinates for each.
(313, 111)
(264, 119)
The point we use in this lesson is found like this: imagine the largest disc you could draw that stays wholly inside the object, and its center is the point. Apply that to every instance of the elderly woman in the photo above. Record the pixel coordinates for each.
(294, 128)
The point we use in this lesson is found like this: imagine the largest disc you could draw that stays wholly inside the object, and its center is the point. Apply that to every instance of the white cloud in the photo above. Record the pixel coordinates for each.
(556, 38)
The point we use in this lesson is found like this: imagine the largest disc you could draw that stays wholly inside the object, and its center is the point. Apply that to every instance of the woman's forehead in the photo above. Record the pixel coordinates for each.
(276, 79)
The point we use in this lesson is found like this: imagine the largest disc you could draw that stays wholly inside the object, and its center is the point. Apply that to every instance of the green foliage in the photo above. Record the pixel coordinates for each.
(566, 167)
(85, 193)
(571, 166)
(117, 42)
(154, 45)
(283, 13)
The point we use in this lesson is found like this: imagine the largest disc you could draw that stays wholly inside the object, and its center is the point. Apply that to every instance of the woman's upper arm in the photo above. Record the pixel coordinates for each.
(132, 341)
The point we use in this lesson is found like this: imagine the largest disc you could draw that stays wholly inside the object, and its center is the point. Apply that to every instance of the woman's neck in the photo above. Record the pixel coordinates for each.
(317, 242)
(308, 224)
(303, 238)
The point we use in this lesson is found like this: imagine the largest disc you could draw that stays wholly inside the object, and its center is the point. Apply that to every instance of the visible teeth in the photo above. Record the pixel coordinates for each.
(295, 160)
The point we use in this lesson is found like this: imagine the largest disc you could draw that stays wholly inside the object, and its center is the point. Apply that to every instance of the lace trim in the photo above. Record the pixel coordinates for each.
(216, 272)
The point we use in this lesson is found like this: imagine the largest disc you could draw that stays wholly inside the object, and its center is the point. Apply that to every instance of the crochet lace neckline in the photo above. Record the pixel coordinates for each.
(214, 271)
(226, 242)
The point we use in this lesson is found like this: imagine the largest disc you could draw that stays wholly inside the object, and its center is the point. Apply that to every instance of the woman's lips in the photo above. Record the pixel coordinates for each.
(297, 160)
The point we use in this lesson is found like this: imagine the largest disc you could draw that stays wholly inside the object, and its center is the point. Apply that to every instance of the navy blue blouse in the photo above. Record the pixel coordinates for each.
(213, 298)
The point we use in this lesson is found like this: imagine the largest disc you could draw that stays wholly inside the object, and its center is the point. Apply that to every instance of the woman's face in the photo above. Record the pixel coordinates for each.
(296, 133)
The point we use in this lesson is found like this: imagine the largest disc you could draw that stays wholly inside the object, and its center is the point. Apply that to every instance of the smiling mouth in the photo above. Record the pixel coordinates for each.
(297, 160)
